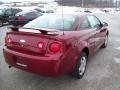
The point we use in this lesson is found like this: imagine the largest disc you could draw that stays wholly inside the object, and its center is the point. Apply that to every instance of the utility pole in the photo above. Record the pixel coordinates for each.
(116, 4)
(82, 3)
(102, 4)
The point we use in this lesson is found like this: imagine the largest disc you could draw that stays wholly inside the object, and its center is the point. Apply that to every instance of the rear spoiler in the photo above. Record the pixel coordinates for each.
(14, 28)
(42, 30)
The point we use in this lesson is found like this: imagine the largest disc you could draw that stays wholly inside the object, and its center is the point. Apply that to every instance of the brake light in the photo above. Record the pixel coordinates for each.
(21, 18)
(40, 45)
(55, 47)
(8, 40)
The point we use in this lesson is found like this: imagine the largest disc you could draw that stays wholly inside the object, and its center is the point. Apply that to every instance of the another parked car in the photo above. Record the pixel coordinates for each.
(24, 17)
(5, 13)
(106, 11)
(53, 45)
(87, 11)
(44, 10)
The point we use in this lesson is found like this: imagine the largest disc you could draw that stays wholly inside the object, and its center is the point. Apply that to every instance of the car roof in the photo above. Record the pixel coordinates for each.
(72, 14)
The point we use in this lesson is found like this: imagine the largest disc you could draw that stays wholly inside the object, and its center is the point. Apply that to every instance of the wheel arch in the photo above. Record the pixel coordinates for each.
(86, 50)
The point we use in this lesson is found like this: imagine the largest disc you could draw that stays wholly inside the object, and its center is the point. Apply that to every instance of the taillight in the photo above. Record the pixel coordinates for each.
(8, 40)
(55, 47)
(21, 18)
(40, 45)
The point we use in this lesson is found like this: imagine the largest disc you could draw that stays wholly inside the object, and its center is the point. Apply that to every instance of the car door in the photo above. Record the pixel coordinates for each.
(89, 34)
(101, 30)
(96, 25)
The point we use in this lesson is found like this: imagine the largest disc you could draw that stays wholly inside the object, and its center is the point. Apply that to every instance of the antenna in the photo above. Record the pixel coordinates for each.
(62, 17)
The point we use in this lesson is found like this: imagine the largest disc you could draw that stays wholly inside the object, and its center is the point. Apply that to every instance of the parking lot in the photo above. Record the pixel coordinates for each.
(103, 70)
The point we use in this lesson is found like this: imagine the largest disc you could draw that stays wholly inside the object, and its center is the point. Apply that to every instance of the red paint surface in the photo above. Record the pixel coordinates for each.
(42, 60)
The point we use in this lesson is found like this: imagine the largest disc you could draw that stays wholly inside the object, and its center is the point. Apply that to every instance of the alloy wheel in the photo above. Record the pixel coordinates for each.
(82, 66)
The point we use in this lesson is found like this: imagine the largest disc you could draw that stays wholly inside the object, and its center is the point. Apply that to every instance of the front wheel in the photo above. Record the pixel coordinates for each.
(105, 42)
(80, 66)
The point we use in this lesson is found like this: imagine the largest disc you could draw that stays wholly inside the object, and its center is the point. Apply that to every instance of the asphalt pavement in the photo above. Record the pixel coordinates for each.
(103, 69)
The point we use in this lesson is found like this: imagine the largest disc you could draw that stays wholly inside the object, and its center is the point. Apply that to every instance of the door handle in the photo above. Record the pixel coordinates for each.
(103, 30)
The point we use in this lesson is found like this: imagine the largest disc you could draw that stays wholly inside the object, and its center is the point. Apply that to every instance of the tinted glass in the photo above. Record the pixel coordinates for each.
(52, 21)
(30, 14)
(8, 12)
(37, 9)
(22, 13)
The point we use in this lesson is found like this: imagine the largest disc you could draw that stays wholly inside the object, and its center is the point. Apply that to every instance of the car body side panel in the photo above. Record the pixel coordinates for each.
(75, 44)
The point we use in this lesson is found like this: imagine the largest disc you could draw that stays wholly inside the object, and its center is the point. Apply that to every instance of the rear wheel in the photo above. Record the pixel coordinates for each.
(1, 23)
(80, 66)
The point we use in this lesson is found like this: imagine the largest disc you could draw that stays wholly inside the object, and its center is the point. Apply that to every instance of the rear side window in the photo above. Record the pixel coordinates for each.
(85, 24)
(94, 22)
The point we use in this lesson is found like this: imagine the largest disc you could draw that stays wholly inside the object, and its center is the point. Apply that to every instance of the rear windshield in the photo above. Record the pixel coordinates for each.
(52, 22)
(23, 13)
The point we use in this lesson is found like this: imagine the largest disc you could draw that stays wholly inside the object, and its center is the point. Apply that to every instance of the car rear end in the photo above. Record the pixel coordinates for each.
(38, 54)
(38, 49)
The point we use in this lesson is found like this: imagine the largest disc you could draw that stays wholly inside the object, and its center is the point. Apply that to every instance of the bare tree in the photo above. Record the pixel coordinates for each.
(87, 3)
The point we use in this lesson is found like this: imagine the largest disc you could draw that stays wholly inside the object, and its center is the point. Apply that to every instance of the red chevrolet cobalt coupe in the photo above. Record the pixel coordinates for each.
(55, 44)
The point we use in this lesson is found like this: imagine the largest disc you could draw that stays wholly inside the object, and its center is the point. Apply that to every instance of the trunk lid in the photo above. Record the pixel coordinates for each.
(27, 42)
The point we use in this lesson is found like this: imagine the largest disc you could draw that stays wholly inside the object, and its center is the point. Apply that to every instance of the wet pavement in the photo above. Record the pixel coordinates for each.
(103, 70)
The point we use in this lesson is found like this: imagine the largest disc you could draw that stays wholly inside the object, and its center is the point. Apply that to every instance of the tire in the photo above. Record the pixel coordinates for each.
(80, 68)
(1, 23)
(105, 42)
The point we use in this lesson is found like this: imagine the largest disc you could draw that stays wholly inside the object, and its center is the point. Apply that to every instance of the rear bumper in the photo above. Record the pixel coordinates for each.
(47, 65)
(17, 23)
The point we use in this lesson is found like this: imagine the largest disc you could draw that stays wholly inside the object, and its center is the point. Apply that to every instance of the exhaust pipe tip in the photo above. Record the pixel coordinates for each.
(9, 66)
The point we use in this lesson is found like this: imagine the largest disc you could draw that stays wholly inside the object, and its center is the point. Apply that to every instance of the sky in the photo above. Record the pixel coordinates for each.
(24, 0)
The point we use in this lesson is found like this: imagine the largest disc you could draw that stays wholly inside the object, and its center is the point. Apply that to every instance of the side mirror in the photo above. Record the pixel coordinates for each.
(104, 24)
